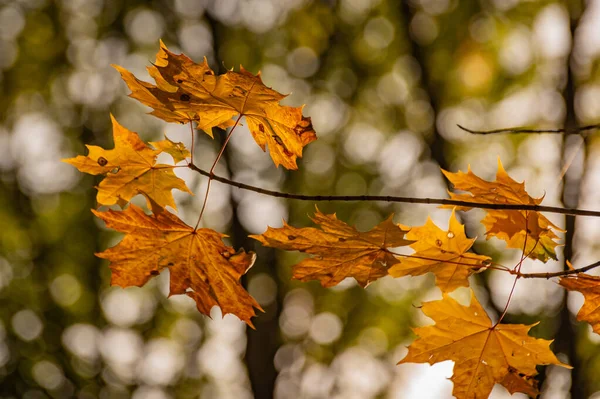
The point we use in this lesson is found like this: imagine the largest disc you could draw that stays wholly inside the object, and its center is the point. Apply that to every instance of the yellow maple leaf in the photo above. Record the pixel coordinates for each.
(529, 231)
(130, 169)
(186, 91)
(589, 286)
(176, 150)
(340, 250)
(200, 264)
(443, 253)
(483, 353)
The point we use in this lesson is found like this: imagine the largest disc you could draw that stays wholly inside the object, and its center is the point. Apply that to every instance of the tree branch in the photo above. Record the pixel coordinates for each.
(577, 130)
(389, 198)
(555, 274)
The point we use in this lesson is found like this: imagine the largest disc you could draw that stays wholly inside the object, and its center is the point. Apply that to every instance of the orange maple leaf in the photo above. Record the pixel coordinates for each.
(589, 286)
(341, 250)
(529, 231)
(186, 91)
(483, 353)
(443, 253)
(130, 169)
(200, 264)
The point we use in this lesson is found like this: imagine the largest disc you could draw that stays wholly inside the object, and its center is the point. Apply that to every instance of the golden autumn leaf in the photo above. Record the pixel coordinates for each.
(589, 286)
(340, 250)
(443, 253)
(130, 168)
(186, 91)
(176, 150)
(483, 353)
(529, 231)
(200, 264)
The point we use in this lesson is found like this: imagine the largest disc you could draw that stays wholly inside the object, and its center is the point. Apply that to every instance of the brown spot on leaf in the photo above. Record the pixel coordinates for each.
(102, 161)
(238, 91)
(291, 238)
(184, 97)
(341, 239)
(179, 81)
(154, 272)
(261, 128)
(277, 139)
(305, 125)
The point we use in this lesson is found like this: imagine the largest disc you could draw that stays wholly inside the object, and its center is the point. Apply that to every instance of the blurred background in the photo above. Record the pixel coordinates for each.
(385, 83)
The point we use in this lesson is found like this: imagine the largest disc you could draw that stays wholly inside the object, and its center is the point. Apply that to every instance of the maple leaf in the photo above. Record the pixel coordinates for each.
(200, 264)
(443, 253)
(186, 91)
(483, 353)
(589, 286)
(341, 250)
(529, 231)
(176, 150)
(130, 168)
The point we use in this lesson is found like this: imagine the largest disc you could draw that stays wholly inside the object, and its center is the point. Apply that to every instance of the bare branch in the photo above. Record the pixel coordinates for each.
(389, 198)
(579, 130)
(555, 274)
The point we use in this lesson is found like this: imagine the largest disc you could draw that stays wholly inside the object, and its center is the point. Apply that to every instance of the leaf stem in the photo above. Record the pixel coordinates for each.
(450, 261)
(170, 167)
(391, 198)
(497, 266)
(517, 268)
(192, 150)
(570, 160)
(510, 295)
(211, 175)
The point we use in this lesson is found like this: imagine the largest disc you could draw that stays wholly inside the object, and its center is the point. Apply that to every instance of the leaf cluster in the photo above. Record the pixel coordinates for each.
(202, 267)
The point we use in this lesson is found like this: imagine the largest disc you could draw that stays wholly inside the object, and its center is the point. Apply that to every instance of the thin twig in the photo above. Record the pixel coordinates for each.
(578, 130)
(557, 274)
(391, 198)
(435, 201)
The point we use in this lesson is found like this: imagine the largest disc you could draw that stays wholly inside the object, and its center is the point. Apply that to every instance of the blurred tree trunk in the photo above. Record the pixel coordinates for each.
(566, 338)
(438, 144)
(264, 341)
